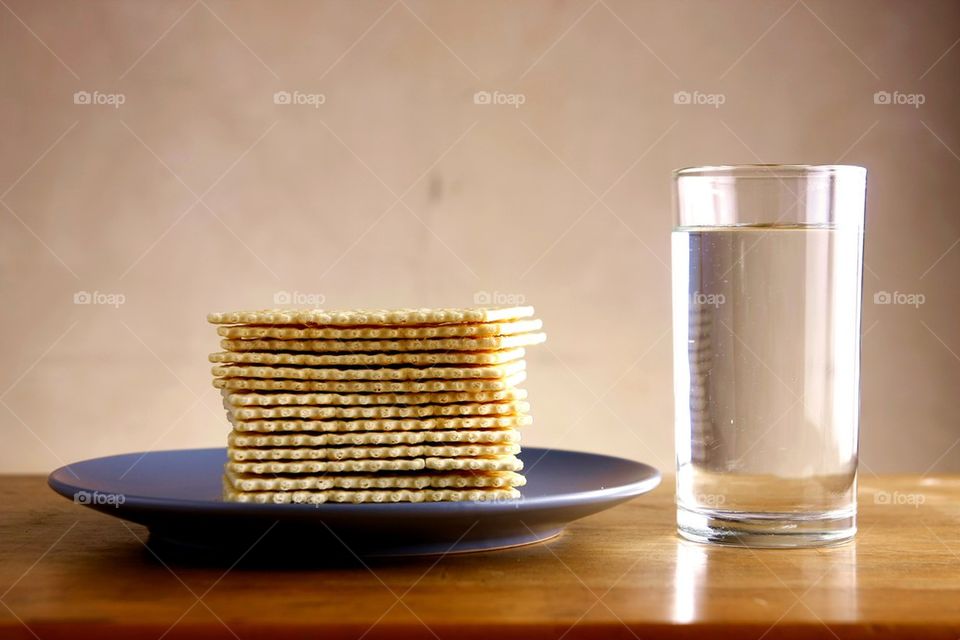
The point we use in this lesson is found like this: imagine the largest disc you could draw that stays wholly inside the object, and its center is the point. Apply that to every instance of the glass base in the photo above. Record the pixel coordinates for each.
(771, 531)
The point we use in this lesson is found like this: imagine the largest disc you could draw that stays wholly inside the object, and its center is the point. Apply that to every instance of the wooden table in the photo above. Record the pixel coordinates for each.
(68, 572)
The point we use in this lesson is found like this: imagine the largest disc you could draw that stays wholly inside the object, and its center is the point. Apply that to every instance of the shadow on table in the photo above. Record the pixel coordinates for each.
(278, 549)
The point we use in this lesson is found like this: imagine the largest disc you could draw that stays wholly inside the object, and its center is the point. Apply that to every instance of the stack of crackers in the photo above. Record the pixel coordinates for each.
(407, 405)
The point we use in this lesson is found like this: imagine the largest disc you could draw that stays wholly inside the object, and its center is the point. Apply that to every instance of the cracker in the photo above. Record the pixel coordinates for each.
(403, 373)
(379, 333)
(338, 426)
(371, 386)
(371, 317)
(418, 358)
(491, 343)
(368, 399)
(493, 479)
(380, 411)
(253, 439)
(360, 496)
(507, 463)
(373, 453)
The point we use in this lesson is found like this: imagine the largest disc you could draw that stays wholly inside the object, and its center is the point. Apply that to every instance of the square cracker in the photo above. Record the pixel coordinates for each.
(371, 386)
(489, 343)
(400, 451)
(378, 411)
(361, 496)
(415, 358)
(371, 317)
(414, 480)
(303, 332)
(383, 424)
(235, 399)
(505, 463)
(404, 373)
(367, 438)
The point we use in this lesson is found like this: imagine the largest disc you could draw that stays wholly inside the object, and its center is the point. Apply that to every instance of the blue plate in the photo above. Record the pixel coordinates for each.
(177, 496)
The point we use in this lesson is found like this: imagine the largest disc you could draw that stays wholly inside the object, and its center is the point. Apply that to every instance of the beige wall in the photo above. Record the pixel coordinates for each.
(564, 200)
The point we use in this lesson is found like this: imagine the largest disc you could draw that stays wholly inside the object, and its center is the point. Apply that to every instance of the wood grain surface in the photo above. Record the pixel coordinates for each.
(69, 572)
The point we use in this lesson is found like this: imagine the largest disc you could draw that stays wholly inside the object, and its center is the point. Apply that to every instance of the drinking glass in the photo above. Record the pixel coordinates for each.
(767, 269)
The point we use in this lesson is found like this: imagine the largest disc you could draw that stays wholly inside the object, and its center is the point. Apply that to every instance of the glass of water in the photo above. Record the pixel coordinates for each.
(767, 266)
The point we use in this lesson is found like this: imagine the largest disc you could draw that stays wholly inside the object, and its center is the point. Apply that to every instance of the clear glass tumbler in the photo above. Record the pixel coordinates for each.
(767, 269)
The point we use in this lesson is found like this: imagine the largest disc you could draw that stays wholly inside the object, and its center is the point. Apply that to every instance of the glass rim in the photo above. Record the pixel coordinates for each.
(746, 171)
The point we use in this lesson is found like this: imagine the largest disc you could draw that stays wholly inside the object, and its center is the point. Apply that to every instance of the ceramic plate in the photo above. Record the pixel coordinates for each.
(177, 496)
